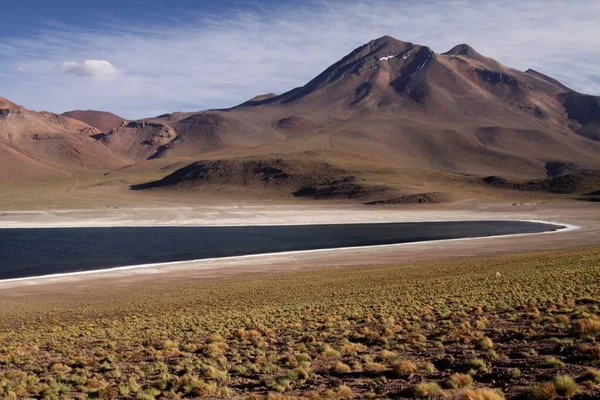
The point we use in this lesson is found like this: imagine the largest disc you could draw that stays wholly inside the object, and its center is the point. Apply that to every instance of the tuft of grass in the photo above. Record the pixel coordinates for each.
(425, 389)
(484, 343)
(341, 392)
(514, 372)
(374, 368)
(149, 394)
(565, 385)
(403, 368)
(458, 381)
(339, 368)
(478, 364)
(481, 394)
(586, 326)
(542, 391)
(553, 362)
(592, 375)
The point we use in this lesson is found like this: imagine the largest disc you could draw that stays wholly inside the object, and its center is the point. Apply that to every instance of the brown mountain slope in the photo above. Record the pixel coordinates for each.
(102, 120)
(584, 113)
(387, 108)
(138, 140)
(404, 104)
(190, 134)
(42, 144)
(5, 103)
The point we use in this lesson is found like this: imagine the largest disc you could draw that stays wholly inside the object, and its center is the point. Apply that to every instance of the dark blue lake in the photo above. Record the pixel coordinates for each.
(44, 251)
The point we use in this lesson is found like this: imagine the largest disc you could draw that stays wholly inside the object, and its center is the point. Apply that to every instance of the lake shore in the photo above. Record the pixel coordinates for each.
(585, 216)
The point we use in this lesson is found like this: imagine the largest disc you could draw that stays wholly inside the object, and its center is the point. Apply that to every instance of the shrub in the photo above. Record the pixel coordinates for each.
(388, 356)
(133, 385)
(374, 368)
(149, 394)
(478, 364)
(481, 394)
(425, 389)
(592, 375)
(329, 351)
(491, 355)
(542, 391)
(553, 362)
(200, 388)
(426, 367)
(279, 384)
(124, 390)
(565, 385)
(403, 368)
(342, 392)
(586, 326)
(457, 381)
(339, 368)
(484, 343)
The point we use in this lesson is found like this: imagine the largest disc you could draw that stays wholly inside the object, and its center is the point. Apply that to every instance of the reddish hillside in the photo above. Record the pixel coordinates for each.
(102, 120)
(388, 105)
(36, 145)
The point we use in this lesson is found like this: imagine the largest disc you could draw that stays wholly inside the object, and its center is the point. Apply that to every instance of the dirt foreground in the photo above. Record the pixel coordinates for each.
(582, 219)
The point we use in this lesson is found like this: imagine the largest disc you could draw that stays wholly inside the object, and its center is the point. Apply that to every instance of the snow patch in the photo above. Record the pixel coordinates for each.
(387, 57)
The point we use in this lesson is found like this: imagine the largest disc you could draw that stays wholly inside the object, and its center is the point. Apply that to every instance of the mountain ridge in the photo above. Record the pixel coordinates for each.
(387, 102)
(482, 104)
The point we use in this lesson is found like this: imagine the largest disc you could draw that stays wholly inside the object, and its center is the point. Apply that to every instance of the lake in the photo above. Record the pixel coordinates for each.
(44, 251)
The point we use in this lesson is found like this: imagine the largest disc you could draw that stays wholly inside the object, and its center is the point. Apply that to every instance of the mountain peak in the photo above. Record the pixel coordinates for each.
(463, 50)
(386, 44)
(386, 39)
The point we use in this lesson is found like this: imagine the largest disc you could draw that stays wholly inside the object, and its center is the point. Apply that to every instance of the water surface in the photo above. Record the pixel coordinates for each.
(45, 251)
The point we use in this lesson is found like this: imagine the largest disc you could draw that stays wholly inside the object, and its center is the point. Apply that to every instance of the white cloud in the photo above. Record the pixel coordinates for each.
(89, 68)
(213, 61)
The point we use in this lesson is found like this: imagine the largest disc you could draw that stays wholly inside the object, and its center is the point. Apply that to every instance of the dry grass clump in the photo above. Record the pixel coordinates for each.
(403, 368)
(553, 362)
(484, 343)
(339, 368)
(542, 391)
(591, 375)
(458, 380)
(586, 326)
(565, 385)
(372, 332)
(425, 389)
(481, 394)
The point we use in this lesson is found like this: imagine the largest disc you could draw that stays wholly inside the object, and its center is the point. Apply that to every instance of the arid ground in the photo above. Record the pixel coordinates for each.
(477, 319)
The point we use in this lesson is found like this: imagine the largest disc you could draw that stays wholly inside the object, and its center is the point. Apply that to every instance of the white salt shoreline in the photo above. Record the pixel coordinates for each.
(199, 264)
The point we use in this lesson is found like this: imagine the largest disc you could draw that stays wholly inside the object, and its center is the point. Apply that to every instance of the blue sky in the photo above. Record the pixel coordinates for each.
(24, 17)
(147, 57)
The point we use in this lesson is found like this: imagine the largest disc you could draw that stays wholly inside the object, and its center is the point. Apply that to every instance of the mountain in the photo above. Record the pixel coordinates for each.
(458, 111)
(389, 118)
(102, 120)
(37, 145)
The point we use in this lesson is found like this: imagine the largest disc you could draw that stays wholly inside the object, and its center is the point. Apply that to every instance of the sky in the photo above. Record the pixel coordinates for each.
(141, 58)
